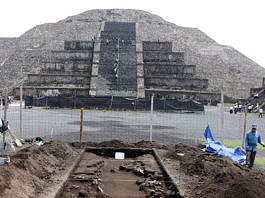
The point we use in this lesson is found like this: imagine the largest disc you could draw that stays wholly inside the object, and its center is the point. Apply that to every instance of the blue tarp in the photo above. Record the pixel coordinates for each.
(237, 154)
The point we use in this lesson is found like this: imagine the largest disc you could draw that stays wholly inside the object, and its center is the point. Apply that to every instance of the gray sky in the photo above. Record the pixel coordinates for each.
(237, 23)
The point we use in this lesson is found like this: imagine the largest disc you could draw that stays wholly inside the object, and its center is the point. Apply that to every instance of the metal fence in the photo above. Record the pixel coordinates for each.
(127, 125)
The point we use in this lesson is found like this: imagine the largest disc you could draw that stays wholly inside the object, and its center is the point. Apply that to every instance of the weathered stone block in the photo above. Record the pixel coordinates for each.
(78, 45)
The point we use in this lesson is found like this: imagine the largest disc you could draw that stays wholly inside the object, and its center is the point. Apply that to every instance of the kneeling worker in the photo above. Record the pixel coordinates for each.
(252, 139)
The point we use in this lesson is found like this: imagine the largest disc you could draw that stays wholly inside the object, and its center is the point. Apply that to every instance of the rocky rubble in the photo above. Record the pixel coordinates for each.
(152, 182)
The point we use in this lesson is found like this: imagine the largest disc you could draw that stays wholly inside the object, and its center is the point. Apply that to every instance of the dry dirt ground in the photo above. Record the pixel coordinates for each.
(41, 171)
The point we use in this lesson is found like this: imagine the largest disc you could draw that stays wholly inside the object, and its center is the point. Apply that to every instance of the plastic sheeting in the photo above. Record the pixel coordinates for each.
(4, 160)
(115, 102)
(237, 154)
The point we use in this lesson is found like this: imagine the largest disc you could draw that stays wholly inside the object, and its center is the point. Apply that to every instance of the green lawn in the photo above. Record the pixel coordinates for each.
(260, 161)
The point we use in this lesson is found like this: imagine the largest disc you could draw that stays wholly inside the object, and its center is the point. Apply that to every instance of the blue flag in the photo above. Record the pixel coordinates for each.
(208, 134)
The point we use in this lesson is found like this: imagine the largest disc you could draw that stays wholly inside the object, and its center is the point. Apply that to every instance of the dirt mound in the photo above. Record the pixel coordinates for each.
(148, 144)
(115, 144)
(32, 168)
(122, 144)
(217, 176)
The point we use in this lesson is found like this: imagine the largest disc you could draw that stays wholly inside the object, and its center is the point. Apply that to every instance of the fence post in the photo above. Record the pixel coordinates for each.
(151, 119)
(75, 99)
(222, 115)
(5, 92)
(244, 128)
(46, 102)
(81, 124)
(6, 102)
(164, 103)
(111, 101)
(20, 111)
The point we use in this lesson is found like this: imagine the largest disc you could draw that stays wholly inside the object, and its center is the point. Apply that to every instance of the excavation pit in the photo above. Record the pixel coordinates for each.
(150, 169)
(99, 174)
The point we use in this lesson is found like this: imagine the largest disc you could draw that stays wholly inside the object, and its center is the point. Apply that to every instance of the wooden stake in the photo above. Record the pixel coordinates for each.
(6, 103)
(245, 128)
(20, 111)
(151, 119)
(81, 124)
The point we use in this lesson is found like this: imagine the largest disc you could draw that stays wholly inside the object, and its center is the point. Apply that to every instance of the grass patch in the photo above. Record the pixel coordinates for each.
(260, 161)
(7, 138)
(232, 143)
(229, 105)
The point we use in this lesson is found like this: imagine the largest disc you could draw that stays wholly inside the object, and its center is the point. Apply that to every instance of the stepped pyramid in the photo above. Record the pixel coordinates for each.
(127, 53)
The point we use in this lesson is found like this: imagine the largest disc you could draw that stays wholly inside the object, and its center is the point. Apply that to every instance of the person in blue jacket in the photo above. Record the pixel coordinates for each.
(251, 140)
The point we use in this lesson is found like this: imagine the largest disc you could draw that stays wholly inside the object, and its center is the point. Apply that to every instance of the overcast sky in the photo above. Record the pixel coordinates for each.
(237, 23)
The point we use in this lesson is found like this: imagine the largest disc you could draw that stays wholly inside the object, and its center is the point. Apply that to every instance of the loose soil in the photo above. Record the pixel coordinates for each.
(122, 144)
(37, 171)
(101, 176)
(34, 169)
(204, 174)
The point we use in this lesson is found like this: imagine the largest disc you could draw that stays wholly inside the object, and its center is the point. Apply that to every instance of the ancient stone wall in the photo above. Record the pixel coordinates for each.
(164, 56)
(168, 70)
(157, 46)
(64, 61)
(176, 83)
(69, 68)
(165, 69)
(201, 96)
(78, 45)
(58, 80)
(38, 91)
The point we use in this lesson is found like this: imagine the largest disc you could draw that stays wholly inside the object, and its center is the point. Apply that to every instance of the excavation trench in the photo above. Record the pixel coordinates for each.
(99, 174)
(59, 169)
